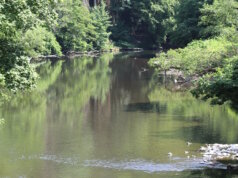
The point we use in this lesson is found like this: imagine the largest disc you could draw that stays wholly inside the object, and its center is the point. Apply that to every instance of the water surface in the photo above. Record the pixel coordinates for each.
(110, 117)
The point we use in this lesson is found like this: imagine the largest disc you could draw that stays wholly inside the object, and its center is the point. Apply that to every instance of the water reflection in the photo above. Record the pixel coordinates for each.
(146, 107)
(109, 117)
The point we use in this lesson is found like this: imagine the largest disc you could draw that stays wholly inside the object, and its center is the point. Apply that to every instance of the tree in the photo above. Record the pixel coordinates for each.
(218, 17)
(186, 27)
(101, 22)
(16, 18)
(147, 21)
(75, 31)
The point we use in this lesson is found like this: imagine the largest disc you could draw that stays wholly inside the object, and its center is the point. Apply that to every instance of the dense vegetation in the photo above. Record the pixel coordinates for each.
(154, 23)
(29, 29)
(200, 37)
(213, 59)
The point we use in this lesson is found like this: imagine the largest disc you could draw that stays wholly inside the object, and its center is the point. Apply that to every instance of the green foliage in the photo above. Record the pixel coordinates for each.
(186, 29)
(221, 86)
(28, 29)
(121, 36)
(219, 16)
(21, 76)
(18, 20)
(75, 31)
(146, 22)
(81, 30)
(38, 41)
(198, 57)
(213, 60)
(101, 22)
(45, 11)
(153, 23)
(24, 14)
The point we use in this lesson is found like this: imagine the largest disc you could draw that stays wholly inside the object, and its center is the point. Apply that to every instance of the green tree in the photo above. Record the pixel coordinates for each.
(12, 59)
(218, 17)
(186, 27)
(75, 31)
(101, 22)
(147, 21)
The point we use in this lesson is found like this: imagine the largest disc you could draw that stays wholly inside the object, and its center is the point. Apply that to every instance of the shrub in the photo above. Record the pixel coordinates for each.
(198, 57)
(220, 86)
(21, 76)
(39, 41)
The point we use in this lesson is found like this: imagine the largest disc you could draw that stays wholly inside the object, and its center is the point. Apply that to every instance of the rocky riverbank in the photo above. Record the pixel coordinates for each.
(221, 153)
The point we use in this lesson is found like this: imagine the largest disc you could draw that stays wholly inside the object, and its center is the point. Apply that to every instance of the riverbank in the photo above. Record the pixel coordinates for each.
(93, 53)
(226, 154)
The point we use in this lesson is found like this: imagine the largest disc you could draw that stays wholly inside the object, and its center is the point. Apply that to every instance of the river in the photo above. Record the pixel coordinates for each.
(110, 117)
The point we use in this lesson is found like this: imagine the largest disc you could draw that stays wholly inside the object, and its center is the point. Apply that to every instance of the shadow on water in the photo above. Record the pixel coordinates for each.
(194, 132)
(146, 107)
(211, 173)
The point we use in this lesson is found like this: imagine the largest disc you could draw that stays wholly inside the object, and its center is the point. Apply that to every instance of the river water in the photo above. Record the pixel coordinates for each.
(110, 117)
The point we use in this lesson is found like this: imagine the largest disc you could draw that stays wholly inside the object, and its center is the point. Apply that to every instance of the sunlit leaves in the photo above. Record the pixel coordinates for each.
(101, 22)
(39, 41)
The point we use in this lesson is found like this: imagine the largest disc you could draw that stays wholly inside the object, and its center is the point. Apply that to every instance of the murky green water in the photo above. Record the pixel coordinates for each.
(109, 117)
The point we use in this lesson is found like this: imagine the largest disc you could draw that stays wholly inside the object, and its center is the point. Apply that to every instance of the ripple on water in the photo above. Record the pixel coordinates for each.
(175, 165)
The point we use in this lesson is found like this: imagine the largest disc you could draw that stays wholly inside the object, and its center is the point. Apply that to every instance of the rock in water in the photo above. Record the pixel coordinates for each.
(219, 152)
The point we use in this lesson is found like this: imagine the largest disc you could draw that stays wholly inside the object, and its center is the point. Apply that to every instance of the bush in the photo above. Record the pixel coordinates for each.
(221, 86)
(38, 41)
(199, 57)
(21, 76)
(214, 60)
